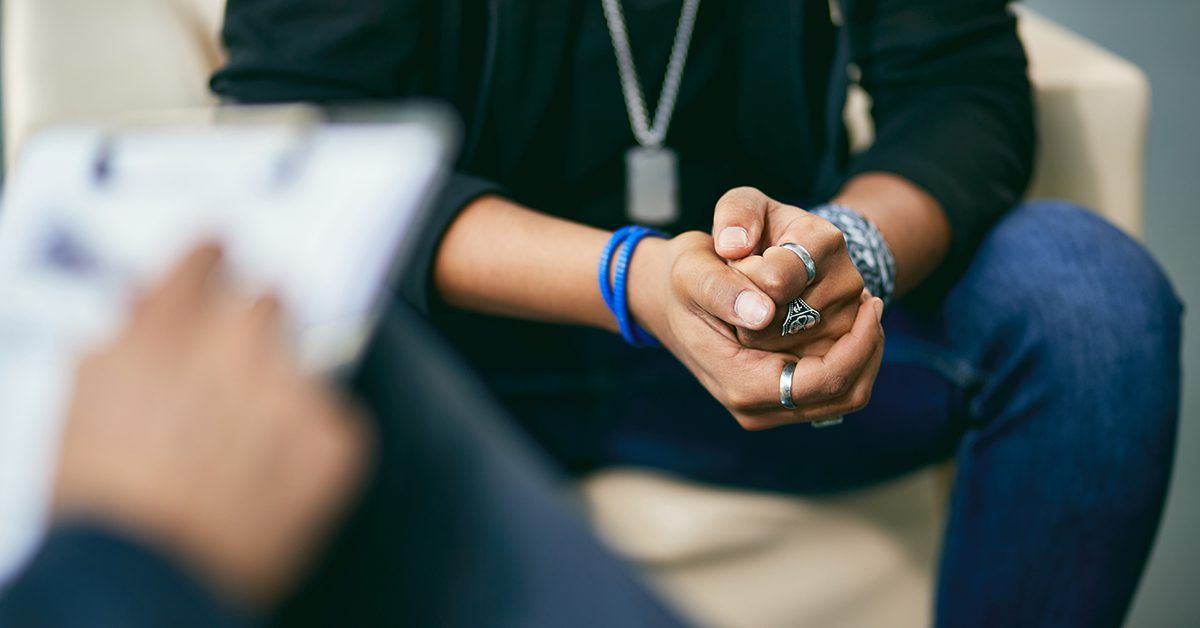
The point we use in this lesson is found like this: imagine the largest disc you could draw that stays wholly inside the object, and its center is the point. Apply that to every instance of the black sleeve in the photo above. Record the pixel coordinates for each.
(321, 50)
(334, 51)
(953, 108)
(87, 577)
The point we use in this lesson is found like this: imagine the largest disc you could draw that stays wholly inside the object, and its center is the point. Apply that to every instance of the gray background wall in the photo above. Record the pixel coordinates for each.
(1163, 37)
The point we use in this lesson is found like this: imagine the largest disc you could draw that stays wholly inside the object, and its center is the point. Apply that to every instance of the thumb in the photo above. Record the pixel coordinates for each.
(738, 222)
(727, 294)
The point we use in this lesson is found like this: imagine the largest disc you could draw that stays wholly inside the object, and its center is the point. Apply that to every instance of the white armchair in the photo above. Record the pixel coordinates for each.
(727, 557)
(867, 558)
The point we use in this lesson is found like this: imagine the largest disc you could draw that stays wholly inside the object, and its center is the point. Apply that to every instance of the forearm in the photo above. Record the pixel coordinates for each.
(501, 258)
(953, 115)
(911, 221)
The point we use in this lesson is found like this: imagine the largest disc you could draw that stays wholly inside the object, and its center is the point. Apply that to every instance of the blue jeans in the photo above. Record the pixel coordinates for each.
(1050, 374)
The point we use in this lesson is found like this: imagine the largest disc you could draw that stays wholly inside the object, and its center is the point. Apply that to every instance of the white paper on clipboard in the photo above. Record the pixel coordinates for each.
(319, 215)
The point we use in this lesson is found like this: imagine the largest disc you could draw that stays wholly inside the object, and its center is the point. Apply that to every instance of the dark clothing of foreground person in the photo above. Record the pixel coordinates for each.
(461, 524)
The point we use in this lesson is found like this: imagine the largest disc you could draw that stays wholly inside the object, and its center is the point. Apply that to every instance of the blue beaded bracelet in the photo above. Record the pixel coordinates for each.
(615, 294)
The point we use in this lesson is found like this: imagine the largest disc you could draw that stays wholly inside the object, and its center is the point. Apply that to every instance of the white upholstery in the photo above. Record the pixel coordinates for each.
(1092, 117)
(67, 60)
(729, 557)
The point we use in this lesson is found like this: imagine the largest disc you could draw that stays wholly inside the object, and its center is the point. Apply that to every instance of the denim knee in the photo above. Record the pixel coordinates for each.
(1073, 301)
(1074, 330)
(1056, 265)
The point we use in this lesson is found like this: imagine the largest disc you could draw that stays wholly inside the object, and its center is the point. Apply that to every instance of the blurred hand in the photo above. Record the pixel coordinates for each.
(688, 297)
(748, 228)
(195, 431)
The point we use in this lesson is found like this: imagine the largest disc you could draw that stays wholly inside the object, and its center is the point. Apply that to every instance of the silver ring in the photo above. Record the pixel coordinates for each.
(830, 422)
(809, 265)
(800, 317)
(785, 386)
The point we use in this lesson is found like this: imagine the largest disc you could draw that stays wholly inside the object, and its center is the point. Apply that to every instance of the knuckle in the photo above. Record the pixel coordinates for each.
(855, 283)
(874, 341)
(836, 384)
(739, 401)
(829, 235)
(774, 282)
(860, 399)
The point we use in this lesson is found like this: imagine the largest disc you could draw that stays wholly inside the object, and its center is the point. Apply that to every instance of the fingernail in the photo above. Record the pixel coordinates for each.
(878, 303)
(751, 308)
(733, 237)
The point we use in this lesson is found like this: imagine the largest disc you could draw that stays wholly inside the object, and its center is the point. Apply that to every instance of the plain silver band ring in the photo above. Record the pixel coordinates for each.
(809, 265)
(785, 386)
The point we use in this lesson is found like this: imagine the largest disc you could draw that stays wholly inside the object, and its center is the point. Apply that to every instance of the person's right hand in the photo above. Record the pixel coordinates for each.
(749, 228)
(196, 432)
(687, 296)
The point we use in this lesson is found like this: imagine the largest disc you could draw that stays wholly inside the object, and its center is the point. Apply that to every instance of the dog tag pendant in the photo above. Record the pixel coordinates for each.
(651, 185)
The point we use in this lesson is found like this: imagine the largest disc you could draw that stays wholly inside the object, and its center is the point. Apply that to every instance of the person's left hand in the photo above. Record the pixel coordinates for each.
(748, 229)
(687, 297)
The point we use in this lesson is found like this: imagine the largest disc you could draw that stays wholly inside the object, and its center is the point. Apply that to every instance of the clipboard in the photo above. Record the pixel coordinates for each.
(321, 207)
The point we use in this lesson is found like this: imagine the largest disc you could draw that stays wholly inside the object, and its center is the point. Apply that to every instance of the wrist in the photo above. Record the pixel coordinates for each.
(648, 284)
(168, 532)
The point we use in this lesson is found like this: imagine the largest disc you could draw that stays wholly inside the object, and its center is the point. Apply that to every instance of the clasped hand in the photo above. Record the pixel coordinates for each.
(718, 303)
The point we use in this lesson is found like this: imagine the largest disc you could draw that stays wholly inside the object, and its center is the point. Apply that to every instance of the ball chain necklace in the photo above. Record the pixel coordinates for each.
(651, 169)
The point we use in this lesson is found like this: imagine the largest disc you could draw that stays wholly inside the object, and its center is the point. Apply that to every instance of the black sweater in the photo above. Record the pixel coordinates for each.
(760, 104)
(948, 80)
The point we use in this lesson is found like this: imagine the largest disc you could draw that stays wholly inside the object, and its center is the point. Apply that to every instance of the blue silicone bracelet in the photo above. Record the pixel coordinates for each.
(615, 295)
(606, 292)
(633, 333)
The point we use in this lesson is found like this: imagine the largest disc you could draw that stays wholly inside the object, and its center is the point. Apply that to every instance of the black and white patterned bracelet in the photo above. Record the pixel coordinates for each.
(868, 250)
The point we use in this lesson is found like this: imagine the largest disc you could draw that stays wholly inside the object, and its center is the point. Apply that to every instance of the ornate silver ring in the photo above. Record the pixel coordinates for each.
(800, 317)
